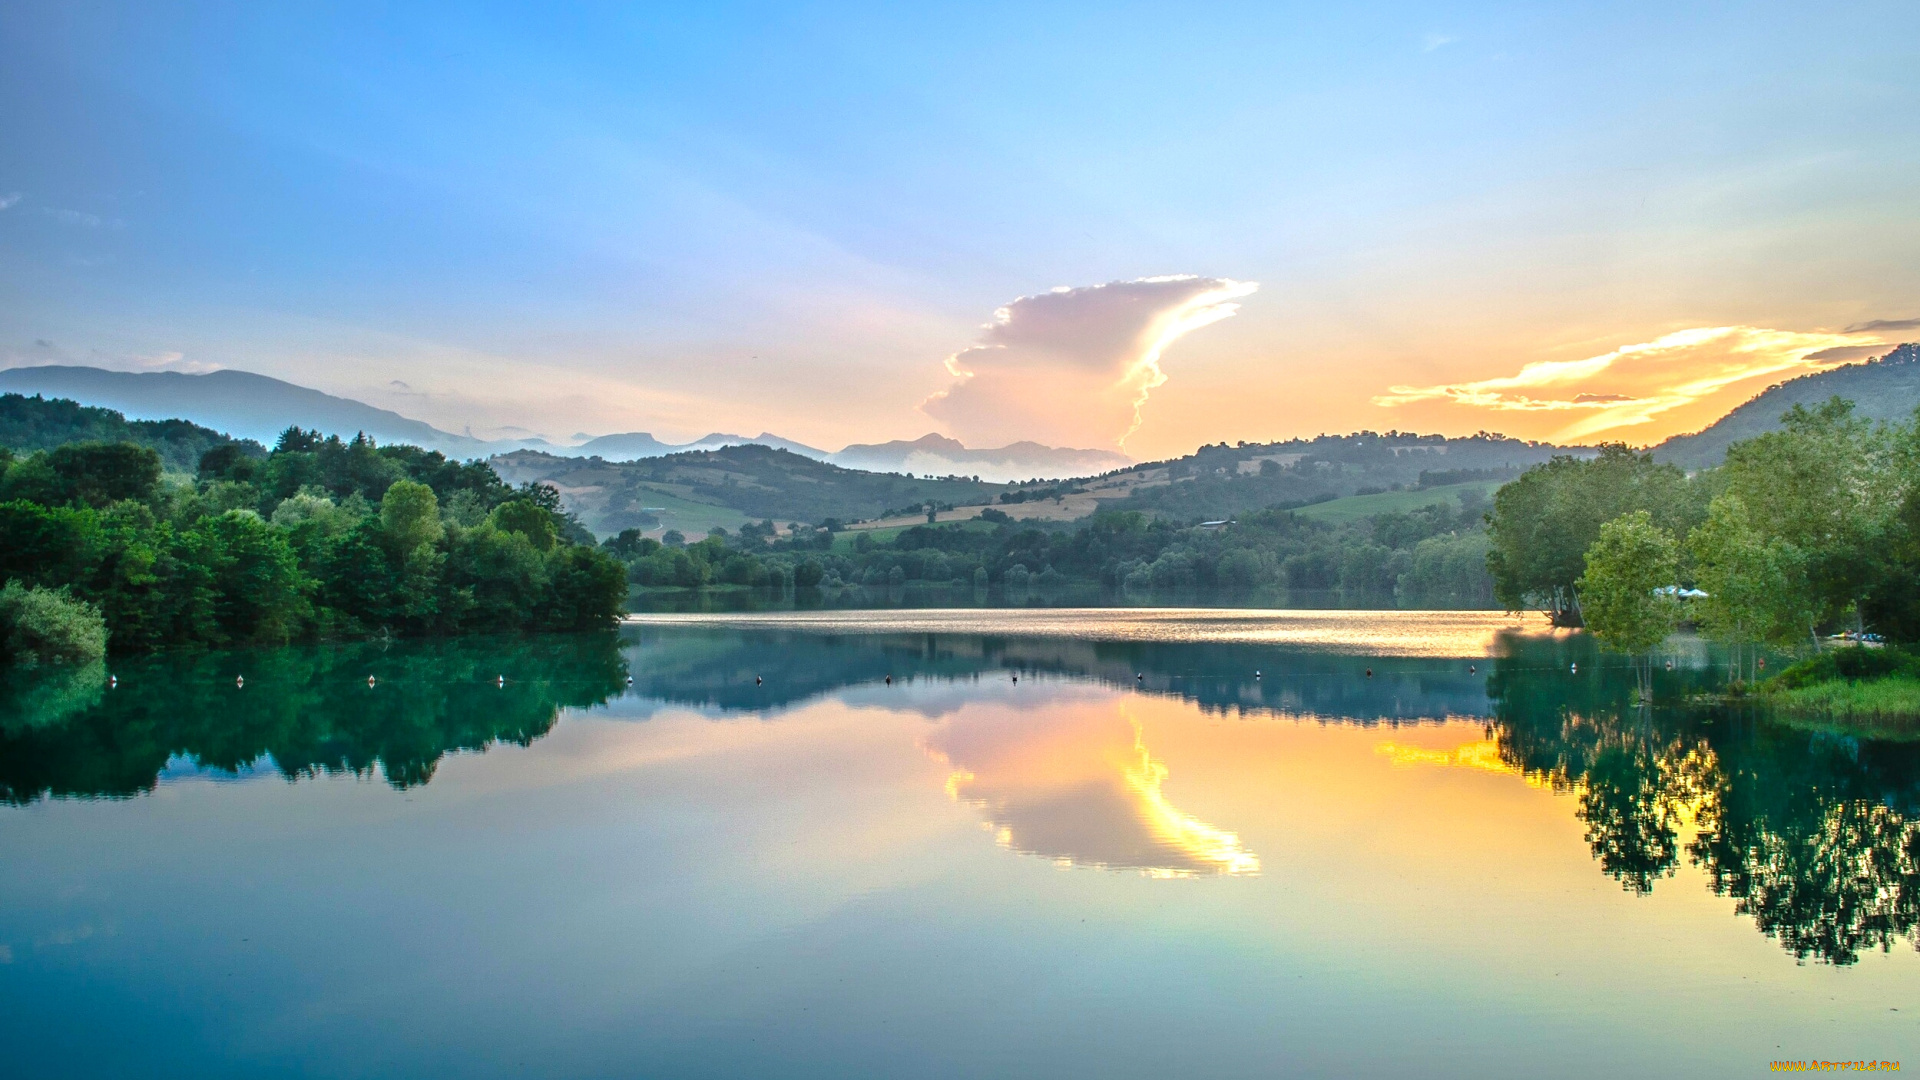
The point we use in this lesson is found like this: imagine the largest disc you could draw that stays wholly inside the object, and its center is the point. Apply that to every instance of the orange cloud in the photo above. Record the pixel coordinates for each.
(1634, 384)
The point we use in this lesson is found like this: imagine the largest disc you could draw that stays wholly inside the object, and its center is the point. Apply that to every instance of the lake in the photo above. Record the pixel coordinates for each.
(946, 844)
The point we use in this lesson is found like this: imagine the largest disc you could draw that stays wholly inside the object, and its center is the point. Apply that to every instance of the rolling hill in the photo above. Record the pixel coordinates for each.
(695, 490)
(1886, 388)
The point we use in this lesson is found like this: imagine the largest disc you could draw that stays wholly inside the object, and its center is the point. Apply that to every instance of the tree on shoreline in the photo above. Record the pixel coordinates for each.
(1621, 592)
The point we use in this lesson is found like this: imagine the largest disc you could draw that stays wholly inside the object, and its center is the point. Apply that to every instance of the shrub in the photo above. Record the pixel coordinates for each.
(41, 624)
(1847, 664)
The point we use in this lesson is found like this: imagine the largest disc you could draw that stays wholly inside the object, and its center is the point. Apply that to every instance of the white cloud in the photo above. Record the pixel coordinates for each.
(166, 361)
(8, 200)
(1635, 383)
(1436, 41)
(1075, 366)
(75, 217)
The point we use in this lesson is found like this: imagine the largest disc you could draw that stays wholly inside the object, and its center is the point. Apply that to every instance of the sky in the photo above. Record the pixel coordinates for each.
(1141, 227)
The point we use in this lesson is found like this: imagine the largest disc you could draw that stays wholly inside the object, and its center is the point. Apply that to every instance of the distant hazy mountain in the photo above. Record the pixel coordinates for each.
(942, 456)
(1887, 388)
(635, 445)
(240, 403)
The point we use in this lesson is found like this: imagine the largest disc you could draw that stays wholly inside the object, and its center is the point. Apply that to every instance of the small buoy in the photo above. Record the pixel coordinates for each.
(1016, 676)
(1763, 663)
(889, 680)
(1669, 665)
(1138, 677)
(756, 680)
(503, 682)
(239, 680)
(1471, 670)
(369, 682)
(113, 681)
(1574, 668)
(1369, 673)
(1256, 673)
(629, 680)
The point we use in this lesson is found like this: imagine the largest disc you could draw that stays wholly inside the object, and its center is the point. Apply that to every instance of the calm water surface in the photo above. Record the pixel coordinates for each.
(1416, 845)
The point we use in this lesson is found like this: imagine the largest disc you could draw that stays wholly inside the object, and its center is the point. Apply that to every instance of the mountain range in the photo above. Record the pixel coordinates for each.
(260, 407)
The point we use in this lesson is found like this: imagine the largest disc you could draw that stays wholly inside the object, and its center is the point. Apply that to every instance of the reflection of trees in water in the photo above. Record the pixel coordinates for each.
(309, 709)
(1814, 835)
(716, 668)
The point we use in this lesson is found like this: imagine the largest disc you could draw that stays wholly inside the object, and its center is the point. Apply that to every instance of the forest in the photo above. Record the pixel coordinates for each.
(1434, 556)
(1805, 532)
(103, 548)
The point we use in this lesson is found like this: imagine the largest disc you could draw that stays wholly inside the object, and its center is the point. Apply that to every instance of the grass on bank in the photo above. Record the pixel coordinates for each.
(1854, 690)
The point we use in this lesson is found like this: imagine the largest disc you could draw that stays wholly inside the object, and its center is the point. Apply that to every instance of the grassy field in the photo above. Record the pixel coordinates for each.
(693, 519)
(843, 542)
(1355, 507)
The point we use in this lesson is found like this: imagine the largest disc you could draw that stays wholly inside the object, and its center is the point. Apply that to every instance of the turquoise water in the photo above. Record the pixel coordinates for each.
(1415, 844)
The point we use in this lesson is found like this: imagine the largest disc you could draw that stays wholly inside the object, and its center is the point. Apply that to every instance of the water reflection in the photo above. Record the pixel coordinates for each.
(303, 711)
(1813, 835)
(1079, 785)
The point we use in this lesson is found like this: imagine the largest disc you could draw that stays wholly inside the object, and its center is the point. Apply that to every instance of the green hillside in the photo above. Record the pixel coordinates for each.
(1357, 507)
(1887, 388)
(699, 489)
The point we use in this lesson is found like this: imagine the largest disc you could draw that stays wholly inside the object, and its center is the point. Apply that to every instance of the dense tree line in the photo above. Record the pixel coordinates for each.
(1433, 556)
(321, 538)
(1811, 528)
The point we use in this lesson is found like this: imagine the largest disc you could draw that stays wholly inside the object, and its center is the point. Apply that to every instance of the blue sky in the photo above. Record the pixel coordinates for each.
(579, 218)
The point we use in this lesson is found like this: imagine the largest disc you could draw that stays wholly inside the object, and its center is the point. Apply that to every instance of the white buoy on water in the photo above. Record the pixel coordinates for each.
(239, 680)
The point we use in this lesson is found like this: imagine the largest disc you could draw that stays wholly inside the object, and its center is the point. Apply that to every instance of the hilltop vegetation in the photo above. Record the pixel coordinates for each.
(1220, 481)
(749, 483)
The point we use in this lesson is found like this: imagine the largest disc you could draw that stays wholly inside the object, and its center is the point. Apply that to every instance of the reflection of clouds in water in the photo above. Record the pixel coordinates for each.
(1079, 785)
(1483, 755)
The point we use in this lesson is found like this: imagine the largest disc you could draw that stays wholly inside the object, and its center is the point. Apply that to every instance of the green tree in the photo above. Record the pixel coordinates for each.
(410, 516)
(1543, 523)
(525, 518)
(1822, 484)
(1756, 586)
(1631, 559)
(260, 593)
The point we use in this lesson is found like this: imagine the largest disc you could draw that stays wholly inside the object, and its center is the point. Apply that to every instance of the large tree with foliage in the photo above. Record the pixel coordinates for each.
(1543, 523)
(1757, 585)
(1823, 485)
(1628, 566)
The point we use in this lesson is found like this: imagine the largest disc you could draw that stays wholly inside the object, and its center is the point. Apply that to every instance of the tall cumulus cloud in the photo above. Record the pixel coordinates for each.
(1076, 366)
